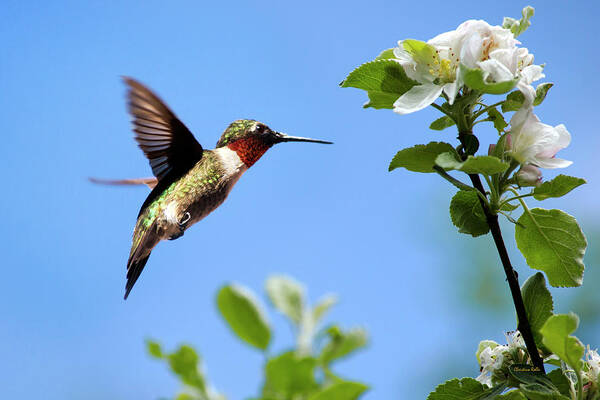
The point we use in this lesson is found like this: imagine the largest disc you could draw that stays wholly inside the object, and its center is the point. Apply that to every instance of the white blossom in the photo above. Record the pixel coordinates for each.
(536, 143)
(476, 44)
(490, 360)
(514, 340)
(592, 359)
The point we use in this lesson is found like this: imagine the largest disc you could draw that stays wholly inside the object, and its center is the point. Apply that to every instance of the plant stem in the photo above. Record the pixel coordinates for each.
(465, 129)
(478, 113)
(511, 276)
(443, 111)
(518, 197)
(456, 182)
(579, 386)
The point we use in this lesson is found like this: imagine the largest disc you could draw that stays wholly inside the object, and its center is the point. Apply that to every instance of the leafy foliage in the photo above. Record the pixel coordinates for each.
(467, 214)
(442, 123)
(519, 26)
(289, 376)
(341, 391)
(303, 373)
(557, 187)
(384, 80)
(244, 314)
(487, 165)
(476, 80)
(342, 343)
(287, 296)
(459, 389)
(552, 241)
(498, 119)
(184, 363)
(556, 332)
(538, 304)
(514, 100)
(421, 157)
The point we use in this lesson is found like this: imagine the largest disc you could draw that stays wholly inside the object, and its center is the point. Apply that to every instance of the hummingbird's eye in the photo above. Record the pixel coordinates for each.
(259, 128)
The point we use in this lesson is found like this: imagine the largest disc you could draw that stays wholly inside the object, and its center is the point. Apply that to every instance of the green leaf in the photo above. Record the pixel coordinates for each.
(538, 304)
(512, 395)
(420, 158)
(487, 165)
(422, 52)
(386, 54)
(342, 343)
(474, 78)
(536, 391)
(557, 187)
(514, 101)
(154, 349)
(442, 123)
(245, 316)
(184, 363)
(556, 336)
(529, 374)
(520, 26)
(458, 389)
(467, 214)
(184, 396)
(380, 100)
(287, 295)
(384, 80)
(540, 93)
(553, 360)
(344, 390)
(552, 241)
(498, 119)
(560, 381)
(322, 306)
(289, 376)
(509, 207)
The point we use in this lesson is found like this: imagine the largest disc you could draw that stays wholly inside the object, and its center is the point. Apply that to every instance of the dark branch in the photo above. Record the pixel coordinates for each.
(513, 281)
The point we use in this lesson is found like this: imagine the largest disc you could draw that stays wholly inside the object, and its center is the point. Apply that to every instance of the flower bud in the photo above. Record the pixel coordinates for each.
(529, 175)
(508, 142)
(491, 149)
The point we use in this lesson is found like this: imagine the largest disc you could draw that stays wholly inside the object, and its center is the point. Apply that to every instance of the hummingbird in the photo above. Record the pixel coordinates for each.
(189, 181)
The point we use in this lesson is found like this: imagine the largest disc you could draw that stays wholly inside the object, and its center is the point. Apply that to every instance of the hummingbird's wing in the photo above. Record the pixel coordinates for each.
(165, 140)
(150, 182)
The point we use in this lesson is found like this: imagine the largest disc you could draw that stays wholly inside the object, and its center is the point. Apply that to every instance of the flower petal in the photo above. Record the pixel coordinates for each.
(551, 163)
(532, 73)
(496, 70)
(528, 92)
(417, 98)
(471, 50)
(451, 89)
(506, 57)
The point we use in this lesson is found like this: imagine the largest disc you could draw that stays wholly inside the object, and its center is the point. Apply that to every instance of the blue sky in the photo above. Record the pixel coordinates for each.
(331, 216)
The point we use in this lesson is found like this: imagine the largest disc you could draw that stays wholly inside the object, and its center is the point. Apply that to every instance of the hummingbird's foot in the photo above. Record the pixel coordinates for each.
(186, 218)
(177, 235)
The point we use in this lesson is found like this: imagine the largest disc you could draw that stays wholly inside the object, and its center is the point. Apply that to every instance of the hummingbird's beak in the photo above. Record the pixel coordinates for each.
(282, 137)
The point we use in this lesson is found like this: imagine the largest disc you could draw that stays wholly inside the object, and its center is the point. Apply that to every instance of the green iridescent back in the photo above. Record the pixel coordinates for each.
(235, 131)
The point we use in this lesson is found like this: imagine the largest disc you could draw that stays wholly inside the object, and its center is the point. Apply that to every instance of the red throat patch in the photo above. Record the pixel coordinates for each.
(249, 149)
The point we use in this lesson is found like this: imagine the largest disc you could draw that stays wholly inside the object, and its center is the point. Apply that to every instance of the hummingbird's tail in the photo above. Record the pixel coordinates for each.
(150, 182)
(134, 269)
(145, 237)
